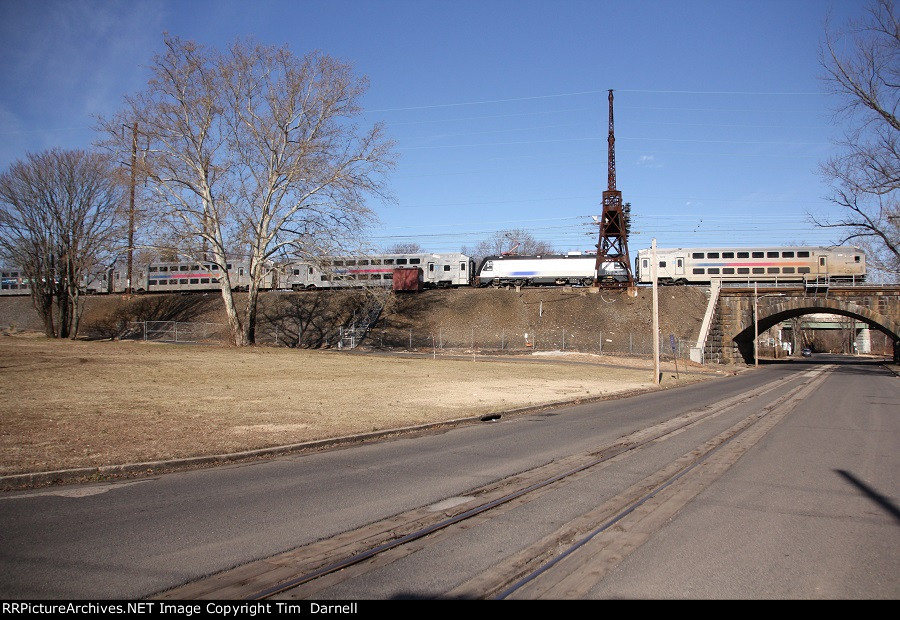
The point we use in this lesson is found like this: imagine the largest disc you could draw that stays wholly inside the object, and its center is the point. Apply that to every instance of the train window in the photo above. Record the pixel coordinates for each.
(195, 280)
(338, 263)
(802, 269)
(5, 274)
(446, 267)
(759, 270)
(787, 255)
(743, 270)
(773, 270)
(488, 266)
(215, 280)
(351, 263)
(787, 270)
(698, 271)
(415, 261)
(802, 254)
(183, 281)
(163, 268)
(376, 261)
(310, 270)
(759, 254)
(662, 265)
(228, 266)
(727, 254)
(712, 255)
(430, 267)
(364, 262)
(401, 261)
(151, 282)
(728, 271)
(195, 267)
(204, 280)
(697, 255)
(214, 267)
(183, 268)
(151, 269)
(296, 272)
(772, 254)
(388, 276)
(323, 278)
(856, 259)
(713, 271)
(821, 261)
(389, 261)
(645, 264)
(743, 255)
(462, 266)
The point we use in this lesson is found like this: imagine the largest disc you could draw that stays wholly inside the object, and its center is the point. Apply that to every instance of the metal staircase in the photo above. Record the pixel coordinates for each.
(352, 335)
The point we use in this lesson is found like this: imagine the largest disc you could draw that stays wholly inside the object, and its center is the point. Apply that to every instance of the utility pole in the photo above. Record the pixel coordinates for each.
(612, 246)
(128, 287)
(653, 267)
(755, 325)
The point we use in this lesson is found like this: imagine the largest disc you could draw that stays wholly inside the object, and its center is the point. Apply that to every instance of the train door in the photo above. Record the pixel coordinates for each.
(823, 266)
(463, 273)
(679, 265)
(431, 276)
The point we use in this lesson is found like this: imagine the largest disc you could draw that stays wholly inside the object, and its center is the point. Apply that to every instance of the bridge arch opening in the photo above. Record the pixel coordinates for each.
(771, 315)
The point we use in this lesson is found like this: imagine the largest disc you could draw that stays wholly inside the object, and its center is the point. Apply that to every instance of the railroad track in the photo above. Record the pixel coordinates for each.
(564, 563)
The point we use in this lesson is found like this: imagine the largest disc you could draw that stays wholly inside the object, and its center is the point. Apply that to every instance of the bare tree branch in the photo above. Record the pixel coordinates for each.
(862, 68)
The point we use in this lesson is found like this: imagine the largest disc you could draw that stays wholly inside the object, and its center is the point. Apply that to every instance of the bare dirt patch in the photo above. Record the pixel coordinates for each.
(69, 404)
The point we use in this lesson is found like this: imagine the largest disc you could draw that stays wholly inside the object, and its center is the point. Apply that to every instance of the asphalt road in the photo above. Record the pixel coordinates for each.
(809, 512)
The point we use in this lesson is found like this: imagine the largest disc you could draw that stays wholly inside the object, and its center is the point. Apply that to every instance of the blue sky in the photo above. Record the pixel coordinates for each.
(499, 107)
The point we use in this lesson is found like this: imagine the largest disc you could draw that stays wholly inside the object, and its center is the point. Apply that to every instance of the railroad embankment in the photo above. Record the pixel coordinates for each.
(575, 319)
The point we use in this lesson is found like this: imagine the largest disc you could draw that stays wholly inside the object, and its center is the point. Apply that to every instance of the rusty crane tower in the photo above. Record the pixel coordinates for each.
(612, 247)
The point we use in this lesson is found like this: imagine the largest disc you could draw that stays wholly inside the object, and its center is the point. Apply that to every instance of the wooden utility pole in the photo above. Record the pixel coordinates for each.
(128, 286)
(653, 267)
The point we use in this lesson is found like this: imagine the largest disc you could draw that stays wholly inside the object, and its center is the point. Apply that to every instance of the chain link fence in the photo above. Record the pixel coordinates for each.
(174, 331)
(523, 340)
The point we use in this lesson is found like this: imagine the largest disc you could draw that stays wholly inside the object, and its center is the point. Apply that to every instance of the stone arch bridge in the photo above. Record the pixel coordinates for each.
(731, 332)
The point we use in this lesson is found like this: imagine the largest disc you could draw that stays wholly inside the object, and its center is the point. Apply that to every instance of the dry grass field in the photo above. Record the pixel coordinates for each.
(70, 404)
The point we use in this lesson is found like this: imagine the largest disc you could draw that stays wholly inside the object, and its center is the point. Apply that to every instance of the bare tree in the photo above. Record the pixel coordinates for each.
(60, 215)
(405, 248)
(253, 152)
(514, 241)
(862, 67)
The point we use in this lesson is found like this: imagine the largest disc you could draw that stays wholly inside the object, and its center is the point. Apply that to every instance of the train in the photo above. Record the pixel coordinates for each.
(761, 264)
(434, 270)
(574, 269)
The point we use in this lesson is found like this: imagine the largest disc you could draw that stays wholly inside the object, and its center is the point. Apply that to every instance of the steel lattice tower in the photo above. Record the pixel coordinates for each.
(612, 247)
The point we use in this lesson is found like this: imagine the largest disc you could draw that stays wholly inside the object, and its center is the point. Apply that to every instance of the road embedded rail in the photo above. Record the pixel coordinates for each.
(552, 566)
